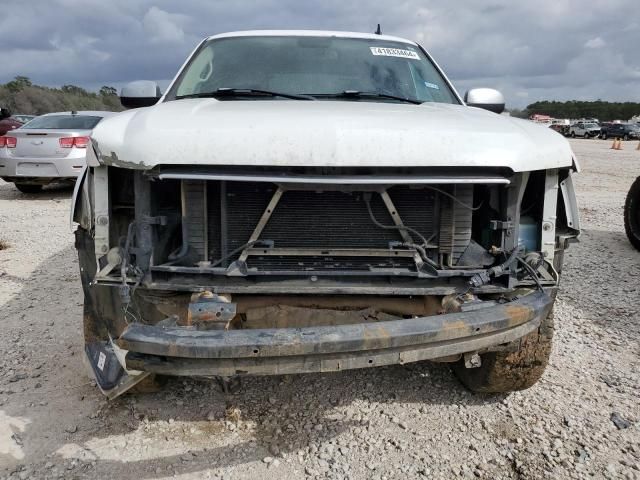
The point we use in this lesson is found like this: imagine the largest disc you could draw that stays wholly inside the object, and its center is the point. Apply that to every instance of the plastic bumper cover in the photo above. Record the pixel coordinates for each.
(45, 167)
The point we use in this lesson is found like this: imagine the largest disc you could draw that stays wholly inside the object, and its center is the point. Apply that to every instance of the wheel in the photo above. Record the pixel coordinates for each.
(632, 214)
(604, 136)
(626, 137)
(572, 134)
(508, 371)
(27, 188)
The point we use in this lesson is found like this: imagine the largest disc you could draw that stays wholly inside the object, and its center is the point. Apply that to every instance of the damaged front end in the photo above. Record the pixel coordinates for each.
(215, 271)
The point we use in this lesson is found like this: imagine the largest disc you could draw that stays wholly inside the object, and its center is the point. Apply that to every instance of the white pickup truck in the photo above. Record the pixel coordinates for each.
(303, 201)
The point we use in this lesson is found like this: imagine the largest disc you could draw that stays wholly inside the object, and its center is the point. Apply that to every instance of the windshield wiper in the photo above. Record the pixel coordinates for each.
(359, 94)
(244, 92)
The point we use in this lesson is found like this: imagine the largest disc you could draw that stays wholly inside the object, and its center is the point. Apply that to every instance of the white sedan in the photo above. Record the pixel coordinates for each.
(48, 148)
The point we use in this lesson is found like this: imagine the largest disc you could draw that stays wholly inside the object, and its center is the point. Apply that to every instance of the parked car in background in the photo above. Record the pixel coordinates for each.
(561, 126)
(49, 148)
(23, 118)
(7, 122)
(304, 204)
(583, 129)
(625, 131)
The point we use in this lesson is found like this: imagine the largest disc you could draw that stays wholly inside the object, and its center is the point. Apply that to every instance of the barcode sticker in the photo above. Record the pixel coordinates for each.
(394, 52)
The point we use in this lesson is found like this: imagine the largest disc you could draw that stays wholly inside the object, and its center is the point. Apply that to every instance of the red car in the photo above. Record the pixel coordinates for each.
(6, 122)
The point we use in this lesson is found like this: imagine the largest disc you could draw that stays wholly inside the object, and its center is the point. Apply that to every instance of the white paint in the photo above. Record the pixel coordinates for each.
(326, 133)
(310, 33)
(9, 426)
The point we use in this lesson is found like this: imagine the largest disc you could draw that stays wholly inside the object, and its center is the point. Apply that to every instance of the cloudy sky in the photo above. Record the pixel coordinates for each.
(529, 49)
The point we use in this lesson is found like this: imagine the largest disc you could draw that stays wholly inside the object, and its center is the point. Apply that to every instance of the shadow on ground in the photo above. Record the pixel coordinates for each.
(54, 191)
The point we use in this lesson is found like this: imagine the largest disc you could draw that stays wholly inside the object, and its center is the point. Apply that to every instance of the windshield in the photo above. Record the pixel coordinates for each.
(63, 122)
(591, 125)
(318, 66)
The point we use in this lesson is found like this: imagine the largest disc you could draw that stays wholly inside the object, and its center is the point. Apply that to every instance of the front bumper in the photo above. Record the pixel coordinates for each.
(183, 351)
(41, 167)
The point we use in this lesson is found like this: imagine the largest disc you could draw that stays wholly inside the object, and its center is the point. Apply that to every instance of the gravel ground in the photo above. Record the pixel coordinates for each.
(582, 420)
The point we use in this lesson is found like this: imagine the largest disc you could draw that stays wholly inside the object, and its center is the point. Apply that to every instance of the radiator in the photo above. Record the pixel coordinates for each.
(221, 217)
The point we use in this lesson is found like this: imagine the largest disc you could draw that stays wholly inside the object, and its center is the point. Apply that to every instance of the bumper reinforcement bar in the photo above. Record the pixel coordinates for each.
(183, 351)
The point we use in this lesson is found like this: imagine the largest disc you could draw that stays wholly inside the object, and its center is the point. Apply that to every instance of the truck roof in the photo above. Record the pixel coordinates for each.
(95, 113)
(309, 33)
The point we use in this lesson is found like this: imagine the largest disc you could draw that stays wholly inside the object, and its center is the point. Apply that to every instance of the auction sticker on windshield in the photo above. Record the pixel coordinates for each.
(394, 52)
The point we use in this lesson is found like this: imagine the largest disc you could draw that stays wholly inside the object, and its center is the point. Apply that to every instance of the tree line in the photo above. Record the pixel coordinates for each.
(20, 95)
(603, 111)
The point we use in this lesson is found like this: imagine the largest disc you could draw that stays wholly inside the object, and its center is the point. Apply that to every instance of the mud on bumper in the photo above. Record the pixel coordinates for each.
(183, 351)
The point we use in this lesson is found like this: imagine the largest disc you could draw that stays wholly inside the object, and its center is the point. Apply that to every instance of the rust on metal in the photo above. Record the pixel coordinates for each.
(209, 311)
(518, 314)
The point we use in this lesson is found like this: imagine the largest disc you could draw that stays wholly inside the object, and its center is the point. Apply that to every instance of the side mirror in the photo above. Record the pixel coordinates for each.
(143, 93)
(486, 98)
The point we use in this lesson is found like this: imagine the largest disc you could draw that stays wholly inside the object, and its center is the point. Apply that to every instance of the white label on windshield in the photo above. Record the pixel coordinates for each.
(431, 85)
(394, 52)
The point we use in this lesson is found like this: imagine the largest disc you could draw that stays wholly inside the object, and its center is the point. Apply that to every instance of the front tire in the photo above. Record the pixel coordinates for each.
(632, 214)
(27, 188)
(626, 137)
(572, 134)
(509, 371)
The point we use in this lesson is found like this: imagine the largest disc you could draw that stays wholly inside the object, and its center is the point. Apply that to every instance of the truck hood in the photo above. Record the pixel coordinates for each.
(325, 133)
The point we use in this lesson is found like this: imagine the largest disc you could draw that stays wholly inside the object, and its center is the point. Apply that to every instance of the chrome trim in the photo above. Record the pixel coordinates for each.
(338, 180)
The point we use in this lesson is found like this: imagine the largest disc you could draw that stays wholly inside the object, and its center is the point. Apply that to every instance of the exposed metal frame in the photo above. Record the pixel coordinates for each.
(205, 220)
(395, 217)
(144, 234)
(239, 266)
(196, 279)
(102, 211)
(570, 202)
(333, 339)
(264, 219)
(396, 272)
(514, 195)
(549, 214)
(224, 245)
(331, 252)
